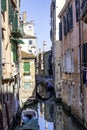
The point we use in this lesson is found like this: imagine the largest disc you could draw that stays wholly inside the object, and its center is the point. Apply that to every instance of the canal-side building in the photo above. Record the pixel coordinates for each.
(28, 52)
(83, 16)
(9, 62)
(73, 38)
(28, 74)
(47, 63)
(40, 64)
(29, 36)
(54, 36)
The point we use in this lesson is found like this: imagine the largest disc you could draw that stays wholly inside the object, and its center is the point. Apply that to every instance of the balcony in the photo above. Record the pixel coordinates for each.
(84, 11)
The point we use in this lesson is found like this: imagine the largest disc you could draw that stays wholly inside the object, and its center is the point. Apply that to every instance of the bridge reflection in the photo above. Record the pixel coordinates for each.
(43, 92)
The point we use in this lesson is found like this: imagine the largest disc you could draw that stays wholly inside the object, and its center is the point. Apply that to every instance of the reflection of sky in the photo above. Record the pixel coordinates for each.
(42, 122)
(50, 125)
(62, 120)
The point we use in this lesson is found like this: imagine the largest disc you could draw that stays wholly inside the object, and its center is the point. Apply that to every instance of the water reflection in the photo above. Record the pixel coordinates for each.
(46, 116)
(53, 117)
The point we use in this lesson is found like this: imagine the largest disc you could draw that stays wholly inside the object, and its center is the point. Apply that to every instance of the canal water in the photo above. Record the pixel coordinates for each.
(51, 116)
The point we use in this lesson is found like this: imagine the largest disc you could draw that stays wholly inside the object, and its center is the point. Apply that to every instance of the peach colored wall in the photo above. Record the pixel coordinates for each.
(71, 41)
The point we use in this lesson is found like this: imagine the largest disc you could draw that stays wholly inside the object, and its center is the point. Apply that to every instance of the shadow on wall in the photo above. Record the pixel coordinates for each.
(10, 107)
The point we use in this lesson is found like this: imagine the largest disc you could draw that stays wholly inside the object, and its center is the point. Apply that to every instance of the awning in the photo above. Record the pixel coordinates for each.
(18, 41)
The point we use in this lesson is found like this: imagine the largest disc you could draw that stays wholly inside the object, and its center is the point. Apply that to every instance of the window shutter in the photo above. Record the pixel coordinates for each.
(77, 3)
(51, 33)
(3, 5)
(72, 61)
(85, 55)
(16, 22)
(14, 50)
(65, 25)
(67, 20)
(71, 14)
(53, 5)
(60, 30)
(26, 67)
(68, 61)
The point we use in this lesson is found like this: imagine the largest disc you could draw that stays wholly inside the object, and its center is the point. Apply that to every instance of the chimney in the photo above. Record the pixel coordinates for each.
(24, 17)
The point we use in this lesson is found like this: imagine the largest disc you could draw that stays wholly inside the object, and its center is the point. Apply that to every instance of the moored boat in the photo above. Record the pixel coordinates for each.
(29, 120)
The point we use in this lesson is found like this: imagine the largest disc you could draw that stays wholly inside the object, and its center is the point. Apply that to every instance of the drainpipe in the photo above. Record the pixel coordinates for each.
(1, 109)
(80, 48)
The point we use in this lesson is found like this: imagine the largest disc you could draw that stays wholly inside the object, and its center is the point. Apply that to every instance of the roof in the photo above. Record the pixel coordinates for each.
(29, 36)
(26, 55)
(64, 8)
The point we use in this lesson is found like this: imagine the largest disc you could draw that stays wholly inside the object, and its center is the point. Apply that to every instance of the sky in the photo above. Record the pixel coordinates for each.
(39, 12)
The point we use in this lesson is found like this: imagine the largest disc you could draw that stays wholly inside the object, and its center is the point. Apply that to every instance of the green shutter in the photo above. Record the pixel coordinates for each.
(13, 17)
(26, 67)
(3, 5)
(16, 22)
(14, 50)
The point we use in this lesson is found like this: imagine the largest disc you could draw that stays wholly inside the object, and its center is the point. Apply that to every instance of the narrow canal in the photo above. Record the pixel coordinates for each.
(53, 117)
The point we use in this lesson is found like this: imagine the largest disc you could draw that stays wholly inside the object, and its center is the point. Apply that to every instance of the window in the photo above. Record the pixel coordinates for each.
(69, 61)
(71, 14)
(65, 25)
(77, 3)
(14, 51)
(72, 60)
(84, 55)
(13, 17)
(30, 51)
(73, 91)
(26, 85)
(3, 5)
(78, 59)
(29, 27)
(26, 67)
(53, 4)
(30, 42)
(60, 30)
(68, 20)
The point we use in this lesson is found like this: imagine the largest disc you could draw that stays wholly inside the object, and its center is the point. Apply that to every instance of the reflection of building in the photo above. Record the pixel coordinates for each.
(49, 112)
(41, 109)
(27, 89)
(58, 118)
